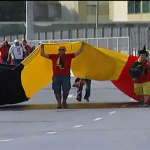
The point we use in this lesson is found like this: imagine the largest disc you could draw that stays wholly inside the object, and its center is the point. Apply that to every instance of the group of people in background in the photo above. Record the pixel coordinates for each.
(15, 53)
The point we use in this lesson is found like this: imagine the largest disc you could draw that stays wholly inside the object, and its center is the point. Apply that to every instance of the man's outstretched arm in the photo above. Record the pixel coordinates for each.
(43, 52)
(80, 50)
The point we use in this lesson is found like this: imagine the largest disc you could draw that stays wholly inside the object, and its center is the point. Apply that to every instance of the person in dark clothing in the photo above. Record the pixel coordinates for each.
(27, 47)
(76, 82)
(80, 84)
(4, 49)
(139, 72)
(32, 49)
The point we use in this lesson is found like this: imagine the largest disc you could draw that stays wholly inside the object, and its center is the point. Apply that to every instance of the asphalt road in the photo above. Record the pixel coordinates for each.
(76, 129)
(105, 129)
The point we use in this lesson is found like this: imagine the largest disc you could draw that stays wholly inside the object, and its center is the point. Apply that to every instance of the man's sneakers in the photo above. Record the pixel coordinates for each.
(143, 104)
(146, 105)
(87, 100)
(79, 99)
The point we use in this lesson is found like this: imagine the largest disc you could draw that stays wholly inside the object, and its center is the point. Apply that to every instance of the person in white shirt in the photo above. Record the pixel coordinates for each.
(16, 53)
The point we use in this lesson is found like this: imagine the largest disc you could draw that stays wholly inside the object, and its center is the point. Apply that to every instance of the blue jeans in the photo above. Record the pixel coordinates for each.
(87, 90)
(17, 61)
(4, 58)
(61, 82)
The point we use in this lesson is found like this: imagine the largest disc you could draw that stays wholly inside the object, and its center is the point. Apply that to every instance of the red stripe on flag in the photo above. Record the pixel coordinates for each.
(125, 83)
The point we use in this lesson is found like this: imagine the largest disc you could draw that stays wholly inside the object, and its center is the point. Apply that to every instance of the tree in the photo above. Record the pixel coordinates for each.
(12, 11)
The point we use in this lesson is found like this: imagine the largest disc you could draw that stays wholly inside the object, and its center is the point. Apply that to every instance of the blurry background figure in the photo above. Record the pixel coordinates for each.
(79, 85)
(17, 53)
(40, 43)
(76, 82)
(32, 49)
(27, 47)
(4, 49)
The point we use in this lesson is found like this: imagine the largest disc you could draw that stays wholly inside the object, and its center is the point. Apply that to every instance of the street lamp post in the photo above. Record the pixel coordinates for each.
(97, 12)
(29, 21)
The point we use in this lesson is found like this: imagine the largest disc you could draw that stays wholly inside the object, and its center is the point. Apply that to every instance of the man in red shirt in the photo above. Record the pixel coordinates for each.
(4, 49)
(140, 72)
(61, 72)
(27, 47)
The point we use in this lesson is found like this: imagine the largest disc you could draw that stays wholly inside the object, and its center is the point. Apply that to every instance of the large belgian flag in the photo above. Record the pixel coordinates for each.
(22, 82)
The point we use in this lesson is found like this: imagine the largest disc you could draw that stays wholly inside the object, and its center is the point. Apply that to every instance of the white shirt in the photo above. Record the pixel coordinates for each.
(16, 51)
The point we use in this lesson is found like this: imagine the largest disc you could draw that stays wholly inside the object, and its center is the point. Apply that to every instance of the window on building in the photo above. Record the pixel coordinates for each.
(91, 9)
(130, 7)
(137, 7)
(145, 7)
(134, 7)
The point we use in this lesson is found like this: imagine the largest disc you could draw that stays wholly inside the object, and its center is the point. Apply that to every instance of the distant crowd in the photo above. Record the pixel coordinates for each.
(15, 53)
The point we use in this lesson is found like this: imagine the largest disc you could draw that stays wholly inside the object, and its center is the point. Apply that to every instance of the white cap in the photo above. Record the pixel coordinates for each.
(16, 40)
(40, 42)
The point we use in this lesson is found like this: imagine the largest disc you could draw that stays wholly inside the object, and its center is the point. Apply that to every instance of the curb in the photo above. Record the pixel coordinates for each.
(70, 106)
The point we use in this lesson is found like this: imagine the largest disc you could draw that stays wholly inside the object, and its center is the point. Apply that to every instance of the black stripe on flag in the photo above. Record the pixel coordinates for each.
(11, 89)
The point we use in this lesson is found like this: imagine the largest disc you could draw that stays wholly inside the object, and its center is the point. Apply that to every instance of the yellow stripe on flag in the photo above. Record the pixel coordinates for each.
(92, 63)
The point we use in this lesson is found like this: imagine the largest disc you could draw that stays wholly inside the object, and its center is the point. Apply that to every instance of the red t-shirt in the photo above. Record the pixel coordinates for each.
(144, 78)
(4, 51)
(28, 49)
(66, 62)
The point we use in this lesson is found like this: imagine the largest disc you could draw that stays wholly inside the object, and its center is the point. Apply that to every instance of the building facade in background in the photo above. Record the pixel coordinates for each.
(47, 11)
(85, 11)
(77, 11)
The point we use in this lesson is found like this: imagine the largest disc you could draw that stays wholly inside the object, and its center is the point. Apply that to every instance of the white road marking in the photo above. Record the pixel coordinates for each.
(51, 132)
(6, 140)
(71, 96)
(77, 126)
(96, 82)
(96, 119)
(112, 112)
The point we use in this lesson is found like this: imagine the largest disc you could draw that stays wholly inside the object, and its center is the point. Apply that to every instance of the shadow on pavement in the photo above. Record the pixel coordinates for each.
(70, 106)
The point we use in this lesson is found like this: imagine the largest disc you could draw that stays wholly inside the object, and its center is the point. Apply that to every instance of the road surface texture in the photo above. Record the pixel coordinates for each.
(93, 129)
(123, 128)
